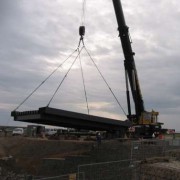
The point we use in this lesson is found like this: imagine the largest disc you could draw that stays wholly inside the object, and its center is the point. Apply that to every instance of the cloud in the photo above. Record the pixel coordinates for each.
(36, 36)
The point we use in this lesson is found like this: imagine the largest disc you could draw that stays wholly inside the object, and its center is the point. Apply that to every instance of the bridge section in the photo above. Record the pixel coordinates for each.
(58, 117)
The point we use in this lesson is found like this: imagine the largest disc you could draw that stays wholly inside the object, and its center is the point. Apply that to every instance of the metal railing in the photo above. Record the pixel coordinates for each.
(112, 170)
(127, 169)
(141, 150)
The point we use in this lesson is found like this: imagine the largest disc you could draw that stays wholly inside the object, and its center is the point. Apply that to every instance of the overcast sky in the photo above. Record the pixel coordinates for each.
(38, 35)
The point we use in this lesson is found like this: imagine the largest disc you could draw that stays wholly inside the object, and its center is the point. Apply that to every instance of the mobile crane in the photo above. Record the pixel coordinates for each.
(144, 123)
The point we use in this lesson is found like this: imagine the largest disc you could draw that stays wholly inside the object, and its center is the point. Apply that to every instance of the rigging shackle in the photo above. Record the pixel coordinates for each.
(82, 31)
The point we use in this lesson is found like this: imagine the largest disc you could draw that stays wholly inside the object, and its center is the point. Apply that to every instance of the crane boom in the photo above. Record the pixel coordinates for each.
(141, 117)
(129, 63)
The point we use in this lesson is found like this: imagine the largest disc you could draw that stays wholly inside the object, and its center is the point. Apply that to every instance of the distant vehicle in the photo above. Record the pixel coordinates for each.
(50, 132)
(18, 132)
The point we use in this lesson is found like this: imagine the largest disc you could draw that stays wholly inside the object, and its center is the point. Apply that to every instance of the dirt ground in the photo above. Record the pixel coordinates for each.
(24, 155)
(28, 153)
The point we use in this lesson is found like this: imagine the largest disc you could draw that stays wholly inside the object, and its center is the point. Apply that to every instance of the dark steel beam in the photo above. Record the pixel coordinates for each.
(58, 117)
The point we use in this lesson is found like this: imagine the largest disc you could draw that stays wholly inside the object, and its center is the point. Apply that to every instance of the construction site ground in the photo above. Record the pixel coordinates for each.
(40, 157)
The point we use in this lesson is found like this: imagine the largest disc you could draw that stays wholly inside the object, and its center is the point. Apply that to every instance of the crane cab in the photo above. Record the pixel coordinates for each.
(149, 117)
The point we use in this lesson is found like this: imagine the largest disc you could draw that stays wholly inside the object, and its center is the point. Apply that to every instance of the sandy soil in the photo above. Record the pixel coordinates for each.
(29, 152)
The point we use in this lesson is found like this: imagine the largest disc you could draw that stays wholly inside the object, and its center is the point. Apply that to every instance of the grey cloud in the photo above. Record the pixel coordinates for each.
(38, 35)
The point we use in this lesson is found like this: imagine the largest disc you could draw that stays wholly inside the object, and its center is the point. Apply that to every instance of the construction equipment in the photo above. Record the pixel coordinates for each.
(145, 123)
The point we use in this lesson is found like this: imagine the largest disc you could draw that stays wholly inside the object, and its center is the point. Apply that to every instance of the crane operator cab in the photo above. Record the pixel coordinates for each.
(149, 117)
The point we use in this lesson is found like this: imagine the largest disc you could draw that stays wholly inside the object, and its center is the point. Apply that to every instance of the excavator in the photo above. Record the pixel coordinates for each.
(144, 124)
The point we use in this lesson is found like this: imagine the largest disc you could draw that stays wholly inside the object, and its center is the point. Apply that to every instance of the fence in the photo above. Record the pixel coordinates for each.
(174, 142)
(121, 169)
(148, 148)
(124, 169)
(113, 170)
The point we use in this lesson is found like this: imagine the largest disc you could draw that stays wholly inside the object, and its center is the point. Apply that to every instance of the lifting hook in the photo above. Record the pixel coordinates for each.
(81, 33)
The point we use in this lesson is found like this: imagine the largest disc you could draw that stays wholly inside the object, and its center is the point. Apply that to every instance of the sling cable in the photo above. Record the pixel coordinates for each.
(79, 51)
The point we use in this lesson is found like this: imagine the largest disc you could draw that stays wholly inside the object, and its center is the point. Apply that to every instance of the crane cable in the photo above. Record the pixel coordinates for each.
(105, 81)
(44, 81)
(81, 33)
(83, 12)
(64, 76)
(82, 74)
